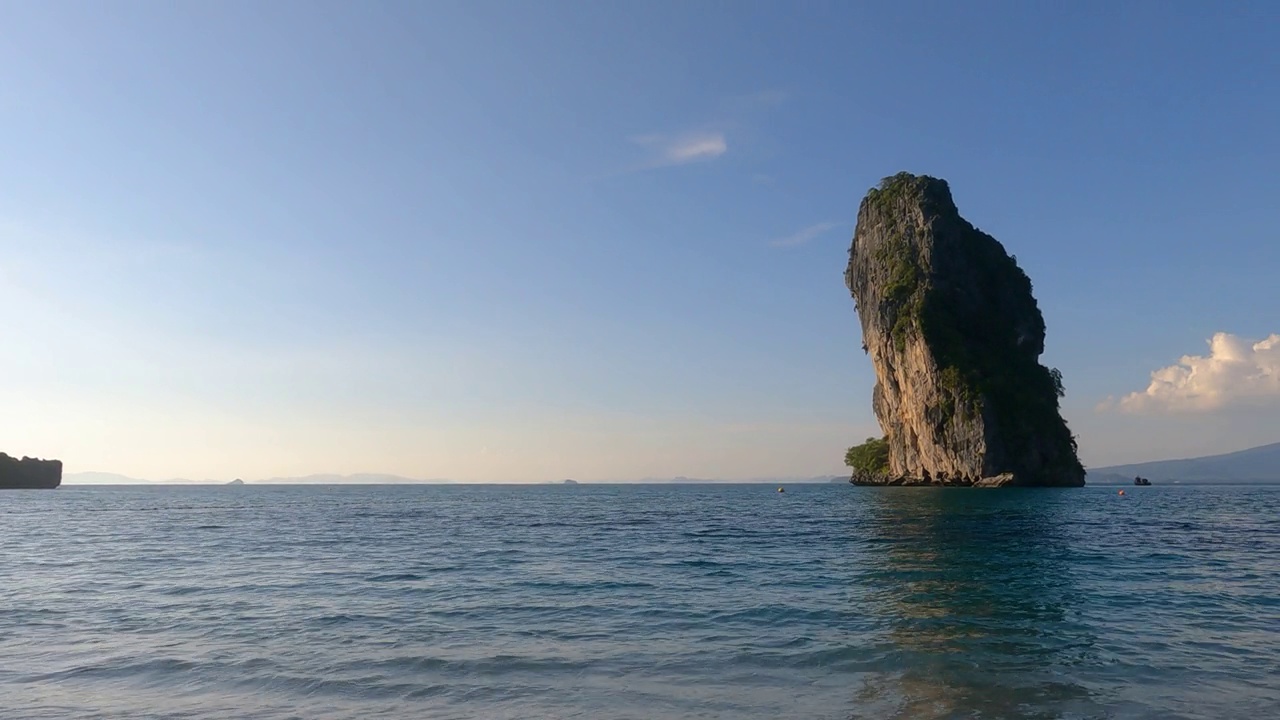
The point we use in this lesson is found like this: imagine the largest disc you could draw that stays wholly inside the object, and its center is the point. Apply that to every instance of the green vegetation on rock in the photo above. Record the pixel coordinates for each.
(896, 188)
(903, 291)
(871, 457)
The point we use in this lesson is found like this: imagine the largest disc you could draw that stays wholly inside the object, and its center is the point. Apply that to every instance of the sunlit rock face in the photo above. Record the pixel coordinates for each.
(955, 336)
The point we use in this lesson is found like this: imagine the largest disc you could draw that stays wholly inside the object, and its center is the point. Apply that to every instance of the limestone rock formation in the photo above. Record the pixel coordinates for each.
(955, 335)
(29, 473)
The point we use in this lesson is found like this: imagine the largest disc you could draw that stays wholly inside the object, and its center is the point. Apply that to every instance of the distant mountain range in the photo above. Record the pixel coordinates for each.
(101, 478)
(1259, 464)
(681, 480)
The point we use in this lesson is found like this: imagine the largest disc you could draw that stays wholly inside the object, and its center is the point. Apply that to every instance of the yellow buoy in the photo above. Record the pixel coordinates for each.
(781, 490)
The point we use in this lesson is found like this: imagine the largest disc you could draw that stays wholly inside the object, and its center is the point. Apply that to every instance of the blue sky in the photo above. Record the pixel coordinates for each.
(526, 241)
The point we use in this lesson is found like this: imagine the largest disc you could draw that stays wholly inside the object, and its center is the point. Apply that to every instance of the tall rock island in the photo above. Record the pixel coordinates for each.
(29, 473)
(955, 335)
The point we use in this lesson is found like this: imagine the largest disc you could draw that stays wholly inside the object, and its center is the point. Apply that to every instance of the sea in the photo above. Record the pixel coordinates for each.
(639, 602)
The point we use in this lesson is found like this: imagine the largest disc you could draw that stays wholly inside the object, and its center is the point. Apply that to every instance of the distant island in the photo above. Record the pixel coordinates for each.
(237, 481)
(1254, 465)
(570, 482)
(29, 473)
(955, 336)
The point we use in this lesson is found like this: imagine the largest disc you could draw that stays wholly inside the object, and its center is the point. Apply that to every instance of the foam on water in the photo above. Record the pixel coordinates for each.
(827, 601)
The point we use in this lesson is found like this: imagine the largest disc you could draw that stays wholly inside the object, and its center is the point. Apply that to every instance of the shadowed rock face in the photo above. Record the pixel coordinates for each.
(955, 335)
(29, 473)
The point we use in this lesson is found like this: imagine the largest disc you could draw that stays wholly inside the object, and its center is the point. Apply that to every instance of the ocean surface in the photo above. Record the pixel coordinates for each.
(612, 602)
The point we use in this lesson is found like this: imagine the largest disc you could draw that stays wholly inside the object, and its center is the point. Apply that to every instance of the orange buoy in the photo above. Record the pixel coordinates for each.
(1121, 492)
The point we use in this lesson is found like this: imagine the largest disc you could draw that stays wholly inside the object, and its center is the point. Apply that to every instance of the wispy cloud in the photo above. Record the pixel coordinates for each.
(709, 139)
(802, 236)
(682, 149)
(1235, 373)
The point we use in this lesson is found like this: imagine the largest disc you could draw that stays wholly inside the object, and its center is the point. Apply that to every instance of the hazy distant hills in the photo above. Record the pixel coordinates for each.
(358, 479)
(101, 478)
(1259, 464)
(681, 480)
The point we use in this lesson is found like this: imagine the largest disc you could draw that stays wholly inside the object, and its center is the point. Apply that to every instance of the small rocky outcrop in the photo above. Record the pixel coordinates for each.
(29, 473)
(955, 336)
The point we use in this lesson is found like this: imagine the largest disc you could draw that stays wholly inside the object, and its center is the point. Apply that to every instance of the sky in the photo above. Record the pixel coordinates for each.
(529, 241)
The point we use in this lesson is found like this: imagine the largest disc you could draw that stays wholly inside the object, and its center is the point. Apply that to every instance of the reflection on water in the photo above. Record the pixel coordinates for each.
(625, 602)
(979, 606)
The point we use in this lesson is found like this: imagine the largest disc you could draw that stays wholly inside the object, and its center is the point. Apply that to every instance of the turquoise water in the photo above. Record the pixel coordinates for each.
(615, 602)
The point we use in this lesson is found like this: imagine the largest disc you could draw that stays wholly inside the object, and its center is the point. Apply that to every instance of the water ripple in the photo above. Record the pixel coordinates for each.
(639, 602)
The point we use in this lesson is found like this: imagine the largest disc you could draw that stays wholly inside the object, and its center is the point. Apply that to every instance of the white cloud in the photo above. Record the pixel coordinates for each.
(1236, 372)
(732, 115)
(802, 236)
(683, 149)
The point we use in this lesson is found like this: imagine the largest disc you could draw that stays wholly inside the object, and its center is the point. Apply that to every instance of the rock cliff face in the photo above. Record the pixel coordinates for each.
(29, 473)
(955, 335)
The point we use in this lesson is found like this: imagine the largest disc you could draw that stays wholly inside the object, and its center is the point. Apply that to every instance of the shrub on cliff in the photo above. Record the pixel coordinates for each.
(869, 458)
